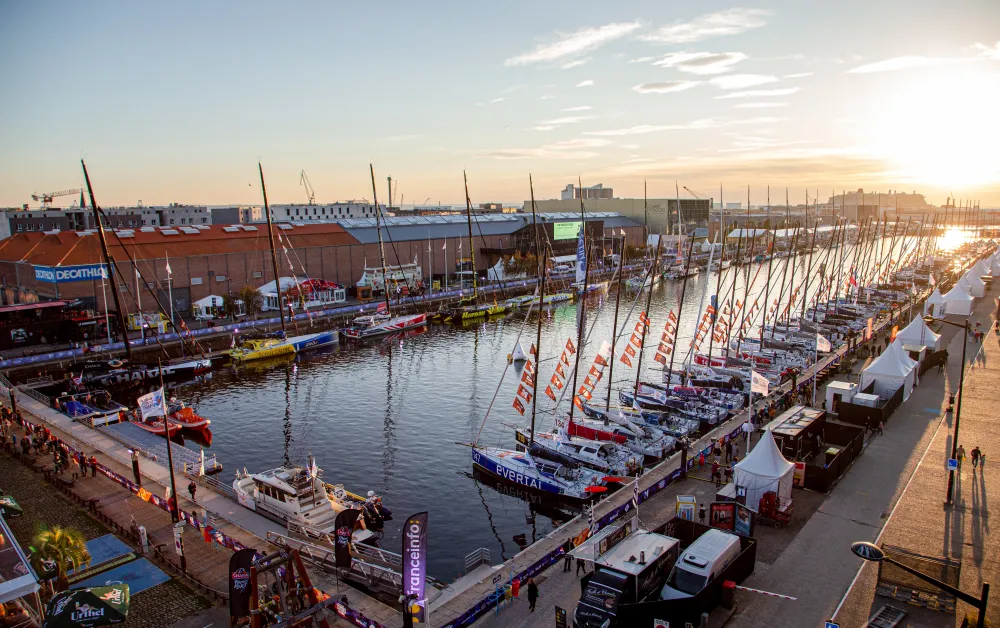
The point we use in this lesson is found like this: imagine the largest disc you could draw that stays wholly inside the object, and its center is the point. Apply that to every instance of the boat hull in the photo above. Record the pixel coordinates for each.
(486, 463)
(392, 326)
(263, 352)
(308, 342)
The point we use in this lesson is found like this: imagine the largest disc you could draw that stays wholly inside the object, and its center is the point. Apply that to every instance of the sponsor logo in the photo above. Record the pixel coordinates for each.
(114, 596)
(70, 273)
(61, 605)
(343, 536)
(240, 578)
(86, 612)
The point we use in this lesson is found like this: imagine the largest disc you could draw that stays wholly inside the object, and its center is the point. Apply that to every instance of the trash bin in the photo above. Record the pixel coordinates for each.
(728, 594)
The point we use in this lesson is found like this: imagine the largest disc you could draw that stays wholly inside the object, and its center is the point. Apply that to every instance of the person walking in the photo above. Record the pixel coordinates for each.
(975, 454)
(960, 455)
(581, 564)
(192, 489)
(135, 468)
(701, 513)
(532, 594)
(93, 467)
(567, 559)
(729, 451)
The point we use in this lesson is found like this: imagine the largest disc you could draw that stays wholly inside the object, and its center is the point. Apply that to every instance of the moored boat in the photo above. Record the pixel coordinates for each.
(380, 324)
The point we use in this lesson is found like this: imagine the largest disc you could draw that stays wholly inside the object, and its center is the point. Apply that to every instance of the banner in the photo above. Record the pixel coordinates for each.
(344, 528)
(151, 404)
(415, 564)
(69, 274)
(758, 383)
(822, 344)
(239, 582)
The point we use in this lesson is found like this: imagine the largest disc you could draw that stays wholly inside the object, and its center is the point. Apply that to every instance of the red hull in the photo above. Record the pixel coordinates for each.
(590, 433)
(155, 426)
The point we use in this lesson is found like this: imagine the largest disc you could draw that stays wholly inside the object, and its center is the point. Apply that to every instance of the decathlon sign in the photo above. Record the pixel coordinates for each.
(68, 274)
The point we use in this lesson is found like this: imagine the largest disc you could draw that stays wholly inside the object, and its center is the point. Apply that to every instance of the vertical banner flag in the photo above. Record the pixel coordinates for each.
(758, 383)
(415, 564)
(344, 528)
(151, 404)
(239, 582)
(892, 335)
(822, 344)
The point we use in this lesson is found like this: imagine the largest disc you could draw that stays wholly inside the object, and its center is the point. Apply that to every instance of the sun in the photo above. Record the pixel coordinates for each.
(942, 129)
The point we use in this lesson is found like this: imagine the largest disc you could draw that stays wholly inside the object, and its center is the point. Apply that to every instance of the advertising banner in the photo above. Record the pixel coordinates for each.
(415, 564)
(344, 529)
(151, 404)
(722, 515)
(744, 521)
(239, 583)
(69, 274)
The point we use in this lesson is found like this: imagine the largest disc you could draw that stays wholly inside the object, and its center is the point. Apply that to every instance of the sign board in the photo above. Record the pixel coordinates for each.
(799, 474)
(868, 331)
(178, 539)
(70, 274)
(561, 618)
(722, 515)
(566, 230)
(830, 624)
(660, 623)
(953, 464)
(744, 521)
(685, 507)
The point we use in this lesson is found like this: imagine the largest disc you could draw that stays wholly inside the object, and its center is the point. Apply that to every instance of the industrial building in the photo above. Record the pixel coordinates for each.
(661, 213)
(222, 259)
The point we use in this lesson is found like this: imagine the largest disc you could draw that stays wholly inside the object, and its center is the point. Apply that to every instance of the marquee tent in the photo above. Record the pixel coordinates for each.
(889, 371)
(976, 287)
(934, 306)
(958, 301)
(918, 333)
(994, 264)
(764, 469)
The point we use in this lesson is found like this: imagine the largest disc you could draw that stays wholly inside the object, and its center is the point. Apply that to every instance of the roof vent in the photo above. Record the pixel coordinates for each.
(170, 232)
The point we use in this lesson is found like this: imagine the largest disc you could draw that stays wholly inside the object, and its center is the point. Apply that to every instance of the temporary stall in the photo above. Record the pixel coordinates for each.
(973, 284)
(958, 301)
(934, 305)
(994, 265)
(213, 306)
(889, 371)
(918, 333)
(764, 469)
(302, 292)
(838, 393)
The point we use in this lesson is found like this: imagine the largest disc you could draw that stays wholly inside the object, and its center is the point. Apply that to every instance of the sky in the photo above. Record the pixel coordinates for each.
(177, 102)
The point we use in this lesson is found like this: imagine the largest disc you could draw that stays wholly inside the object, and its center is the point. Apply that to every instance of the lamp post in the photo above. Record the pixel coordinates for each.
(958, 409)
(874, 553)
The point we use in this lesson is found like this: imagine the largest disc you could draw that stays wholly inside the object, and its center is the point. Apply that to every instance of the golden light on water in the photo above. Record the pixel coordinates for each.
(952, 239)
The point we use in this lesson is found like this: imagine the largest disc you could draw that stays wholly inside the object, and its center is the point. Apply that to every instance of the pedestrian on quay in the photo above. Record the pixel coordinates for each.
(192, 489)
(581, 564)
(532, 594)
(960, 455)
(567, 559)
(701, 513)
(729, 451)
(716, 473)
(135, 468)
(93, 467)
(975, 454)
(82, 461)
(879, 428)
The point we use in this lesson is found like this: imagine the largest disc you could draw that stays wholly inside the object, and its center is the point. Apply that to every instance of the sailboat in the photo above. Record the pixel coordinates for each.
(278, 343)
(383, 321)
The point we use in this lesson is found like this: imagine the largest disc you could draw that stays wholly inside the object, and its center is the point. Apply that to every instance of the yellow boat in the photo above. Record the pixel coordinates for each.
(260, 348)
(476, 311)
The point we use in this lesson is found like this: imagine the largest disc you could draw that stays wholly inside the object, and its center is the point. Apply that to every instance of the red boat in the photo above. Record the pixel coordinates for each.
(154, 425)
(184, 417)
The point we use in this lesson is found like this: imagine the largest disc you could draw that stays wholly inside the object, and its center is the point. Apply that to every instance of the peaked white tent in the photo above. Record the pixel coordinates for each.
(958, 301)
(764, 469)
(974, 284)
(994, 265)
(889, 371)
(918, 333)
(934, 305)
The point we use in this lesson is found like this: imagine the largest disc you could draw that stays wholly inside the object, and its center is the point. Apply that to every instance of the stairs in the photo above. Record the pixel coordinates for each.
(886, 617)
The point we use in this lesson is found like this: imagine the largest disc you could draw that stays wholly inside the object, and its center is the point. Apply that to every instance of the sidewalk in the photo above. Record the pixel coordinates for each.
(921, 522)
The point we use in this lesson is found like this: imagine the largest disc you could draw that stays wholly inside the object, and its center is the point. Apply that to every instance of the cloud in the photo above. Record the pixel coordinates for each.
(575, 64)
(546, 97)
(641, 60)
(580, 108)
(586, 83)
(565, 149)
(761, 93)
(496, 100)
(402, 138)
(665, 87)
(700, 124)
(701, 62)
(990, 52)
(641, 129)
(728, 22)
(630, 146)
(566, 120)
(543, 127)
(760, 105)
(742, 81)
(799, 75)
(575, 43)
(896, 63)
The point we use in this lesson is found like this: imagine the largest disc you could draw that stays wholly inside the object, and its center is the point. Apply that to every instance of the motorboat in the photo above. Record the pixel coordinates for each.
(374, 325)
(155, 425)
(180, 414)
(471, 312)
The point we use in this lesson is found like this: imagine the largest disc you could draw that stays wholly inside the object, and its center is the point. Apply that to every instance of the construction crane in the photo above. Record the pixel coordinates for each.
(46, 197)
(310, 192)
(693, 193)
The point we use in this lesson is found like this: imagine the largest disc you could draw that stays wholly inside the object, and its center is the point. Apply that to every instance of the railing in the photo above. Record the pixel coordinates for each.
(34, 394)
(190, 471)
(369, 552)
(36, 381)
(479, 557)
(371, 575)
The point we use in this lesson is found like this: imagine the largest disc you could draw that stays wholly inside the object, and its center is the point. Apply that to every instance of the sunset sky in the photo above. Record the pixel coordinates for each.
(178, 101)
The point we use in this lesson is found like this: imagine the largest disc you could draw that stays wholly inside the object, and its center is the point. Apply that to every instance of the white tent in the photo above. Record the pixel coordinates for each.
(958, 301)
(934, 306)
(889, 371)
(994, 265)
(764, 469)
(918, 333)
(973, 284)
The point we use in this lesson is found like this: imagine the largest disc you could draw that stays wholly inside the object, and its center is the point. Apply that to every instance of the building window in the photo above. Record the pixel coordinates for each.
(19, 227)
(171, 221)
(196, 281)
(257, 274)
(131, 223)
(220, 278)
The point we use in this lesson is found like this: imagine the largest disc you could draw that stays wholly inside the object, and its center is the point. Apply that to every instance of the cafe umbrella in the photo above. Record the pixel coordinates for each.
(9, 506)
(86, 608)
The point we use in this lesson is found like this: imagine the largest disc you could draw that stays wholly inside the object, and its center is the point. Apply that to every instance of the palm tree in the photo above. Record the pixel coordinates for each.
(66, 547)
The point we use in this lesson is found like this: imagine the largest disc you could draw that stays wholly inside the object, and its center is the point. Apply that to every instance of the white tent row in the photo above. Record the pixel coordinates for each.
(764, 469)
(918, 333)
(973, 284)
(994, 265)
(889, 371)
(935, 304)
(958, 301)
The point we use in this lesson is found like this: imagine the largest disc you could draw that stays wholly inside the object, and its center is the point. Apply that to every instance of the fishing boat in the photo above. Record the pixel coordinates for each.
(296, 494)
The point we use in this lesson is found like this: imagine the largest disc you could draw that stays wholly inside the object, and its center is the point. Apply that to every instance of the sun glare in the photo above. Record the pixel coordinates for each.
(952, 239)
(943, 130)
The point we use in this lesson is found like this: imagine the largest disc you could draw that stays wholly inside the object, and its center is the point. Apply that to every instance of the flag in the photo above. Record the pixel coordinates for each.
(605, 350)
(558, 382)
(527, 379)
(444, 247)
(822, 344)
(529, 367)
(665, 337)
(578, 403)
(596, 372)
(626, 361)
(892, 335)
(629, 351)
(559, 370)
(644, 318)
(600, 359)
(570, 347)
(710, 310)
(533, 351)
(667, 349)
(659, 357)
(383, 308)
(583, 392)
(169, 272)
(523, 393)
(152, 404)
(758, 383)
(518, 406)
(551, 395)
(931, 280)
(635, 492)
(564, 358)
(672, 316)
(588, 382)
(636, 340)
(640, 327)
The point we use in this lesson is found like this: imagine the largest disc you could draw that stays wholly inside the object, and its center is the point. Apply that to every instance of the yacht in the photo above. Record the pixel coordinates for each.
(381, 324)
(539, 471)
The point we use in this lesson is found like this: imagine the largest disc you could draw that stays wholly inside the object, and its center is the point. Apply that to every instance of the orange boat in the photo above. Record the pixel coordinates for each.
(184, 417)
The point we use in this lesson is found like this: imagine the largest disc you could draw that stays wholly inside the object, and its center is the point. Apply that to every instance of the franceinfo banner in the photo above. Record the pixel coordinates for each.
(69, 274)
(415, 564)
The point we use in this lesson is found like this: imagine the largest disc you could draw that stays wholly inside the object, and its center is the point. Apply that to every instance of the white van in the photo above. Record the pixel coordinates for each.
(701, 563)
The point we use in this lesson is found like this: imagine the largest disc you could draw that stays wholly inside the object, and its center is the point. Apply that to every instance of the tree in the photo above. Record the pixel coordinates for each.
(65, 547)
(231, 306)
(252, 299)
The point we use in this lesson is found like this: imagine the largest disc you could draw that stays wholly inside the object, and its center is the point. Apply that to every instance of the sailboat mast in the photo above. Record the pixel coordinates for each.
(472, 246)
(110, 262)
(541, 263)
(582, 318)
(649, 297)
(618, 301)
(677, 327)
(718, 280)
(792, 251)
(274, 255)
(381, 246)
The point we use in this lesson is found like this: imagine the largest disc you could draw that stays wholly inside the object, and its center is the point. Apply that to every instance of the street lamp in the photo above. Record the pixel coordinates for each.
(958, 409)
(874, 553)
